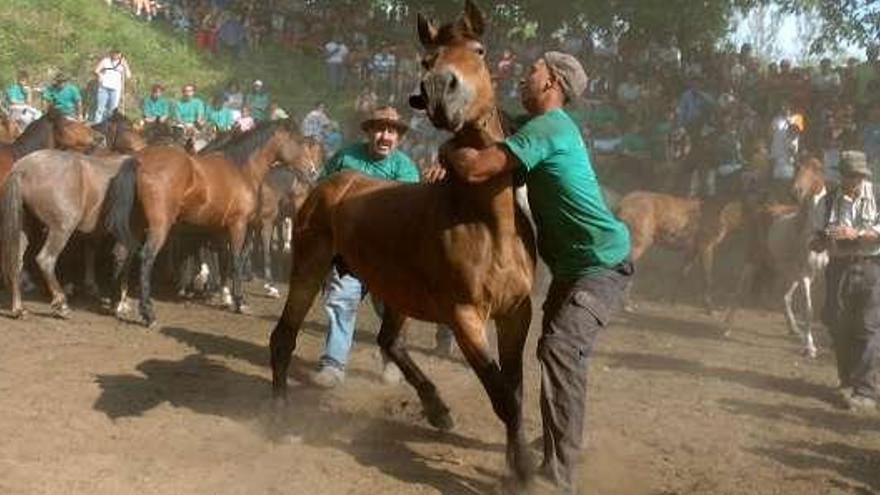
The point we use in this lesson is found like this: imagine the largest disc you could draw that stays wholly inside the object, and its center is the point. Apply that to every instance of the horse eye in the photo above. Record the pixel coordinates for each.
(480, 51)
(425, 64)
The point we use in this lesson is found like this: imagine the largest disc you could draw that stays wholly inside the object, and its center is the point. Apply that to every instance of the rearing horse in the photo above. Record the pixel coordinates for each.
(452, 253)
(215, 190)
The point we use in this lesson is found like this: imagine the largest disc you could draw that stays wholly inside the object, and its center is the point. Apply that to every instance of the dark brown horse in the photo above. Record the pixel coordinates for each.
(451, 253)
(120, 134)
(52, 130)
(680, 224)
(217, 190)
(282, 193)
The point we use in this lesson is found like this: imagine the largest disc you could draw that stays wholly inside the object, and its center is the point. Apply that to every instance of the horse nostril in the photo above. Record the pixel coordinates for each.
(453, 83)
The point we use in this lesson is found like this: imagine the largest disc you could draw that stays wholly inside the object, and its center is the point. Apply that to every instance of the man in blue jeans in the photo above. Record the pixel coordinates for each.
(111, 71)
(377, 157)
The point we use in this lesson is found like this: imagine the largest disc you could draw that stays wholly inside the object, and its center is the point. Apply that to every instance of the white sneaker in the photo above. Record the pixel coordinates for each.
(328, 377)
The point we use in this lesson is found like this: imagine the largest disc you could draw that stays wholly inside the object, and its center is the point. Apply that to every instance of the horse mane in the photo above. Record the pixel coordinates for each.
(37, 134)
(120, 124)
(239, 148)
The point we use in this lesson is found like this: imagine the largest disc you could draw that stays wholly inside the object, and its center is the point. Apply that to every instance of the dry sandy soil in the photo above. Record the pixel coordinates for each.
(93, 406)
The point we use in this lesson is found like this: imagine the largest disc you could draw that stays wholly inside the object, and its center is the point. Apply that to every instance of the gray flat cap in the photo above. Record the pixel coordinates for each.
(854, 163)
(569, 71)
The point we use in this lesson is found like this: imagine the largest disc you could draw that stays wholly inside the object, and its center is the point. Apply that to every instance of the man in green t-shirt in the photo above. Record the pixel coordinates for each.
(377, 157)
(585, 246)
(64, 96)
(189, 110)
(156, 108)
(219, 116)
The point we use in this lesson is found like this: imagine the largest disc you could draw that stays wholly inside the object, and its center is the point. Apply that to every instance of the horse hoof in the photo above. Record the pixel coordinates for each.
(19, 314)
(272, 292)
(811, 352)
(630, 308)
(244, 309)
(441, 420)
(62, 312)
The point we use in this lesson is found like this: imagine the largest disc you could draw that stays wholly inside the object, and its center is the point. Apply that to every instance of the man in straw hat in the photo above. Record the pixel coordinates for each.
(377, 157)
(584, 245)
(850, 230)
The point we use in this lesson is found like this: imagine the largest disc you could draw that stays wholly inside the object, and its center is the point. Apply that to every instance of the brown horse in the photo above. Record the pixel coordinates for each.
(64, 192)
(120, 133)
(216, 190)
(282, 193)
(9, 130)
(52, 130)
(681, 224)
(452, 253)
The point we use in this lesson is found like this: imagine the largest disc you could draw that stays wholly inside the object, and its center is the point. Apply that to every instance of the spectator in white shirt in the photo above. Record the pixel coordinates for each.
(112, 71)
(336, 54)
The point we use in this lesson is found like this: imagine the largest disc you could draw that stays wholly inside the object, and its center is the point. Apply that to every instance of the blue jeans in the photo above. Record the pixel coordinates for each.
(108, 100)
(342, 296)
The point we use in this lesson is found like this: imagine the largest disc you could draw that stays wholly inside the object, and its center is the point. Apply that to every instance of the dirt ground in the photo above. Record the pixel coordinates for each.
(92, 406)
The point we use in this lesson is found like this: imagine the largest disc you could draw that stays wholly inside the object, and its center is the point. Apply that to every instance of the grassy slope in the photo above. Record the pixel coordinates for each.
(43, 36)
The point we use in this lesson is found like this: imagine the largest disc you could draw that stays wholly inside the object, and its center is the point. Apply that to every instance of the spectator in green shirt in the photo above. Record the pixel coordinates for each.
(64, 96)
(156, 108)
(189, 110)
(585, 246)
(258, 100)
(219, 116)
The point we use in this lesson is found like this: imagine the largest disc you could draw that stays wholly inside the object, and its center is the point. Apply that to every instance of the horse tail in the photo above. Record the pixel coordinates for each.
(119, 202)
(11, 222)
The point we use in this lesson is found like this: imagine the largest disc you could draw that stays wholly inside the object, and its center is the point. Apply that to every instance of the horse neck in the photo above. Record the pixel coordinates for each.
(35, 140)
(809, 210)
(495, 197)
(261, 161)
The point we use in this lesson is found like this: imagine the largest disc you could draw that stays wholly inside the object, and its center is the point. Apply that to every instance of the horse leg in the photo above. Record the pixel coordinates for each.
(739, 299)
(46, 259)
(806, 284)
(89, 279)
(313, 257)
(391, 343)
(155, 240)
(13, 277)
(512, 330)
(707, 264)
(239, 249)
(266, 230)
(122, 255)
(788, 299)
(470, 332)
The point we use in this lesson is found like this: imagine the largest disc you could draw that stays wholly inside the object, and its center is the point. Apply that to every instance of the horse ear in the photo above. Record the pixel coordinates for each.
(472, 20)
(427, 32)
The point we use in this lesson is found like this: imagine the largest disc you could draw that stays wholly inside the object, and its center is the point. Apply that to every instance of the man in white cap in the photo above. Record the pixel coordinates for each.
(584, 245)
(377, 157)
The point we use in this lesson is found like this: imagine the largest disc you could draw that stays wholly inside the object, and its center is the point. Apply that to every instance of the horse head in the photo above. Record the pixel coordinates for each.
(72, 134)
(456, 87)
(809, 178)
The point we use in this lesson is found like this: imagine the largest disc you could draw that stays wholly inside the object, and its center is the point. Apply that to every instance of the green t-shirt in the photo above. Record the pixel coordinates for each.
(259, 103)
(189, 111)
(220, 118)
(65, 98)
(577, 233)
(154, 108)
(15, 94)
(396, 166)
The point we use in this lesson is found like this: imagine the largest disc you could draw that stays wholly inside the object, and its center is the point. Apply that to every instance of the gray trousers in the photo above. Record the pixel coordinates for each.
(574, 312)
(852, 314)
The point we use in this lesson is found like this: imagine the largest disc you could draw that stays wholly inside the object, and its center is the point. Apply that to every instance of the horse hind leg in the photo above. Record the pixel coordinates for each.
(391, 343)
(149, 252)
(14, 280)
(47, 258)
(788, 299)
(266, 230)
(314, 254)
